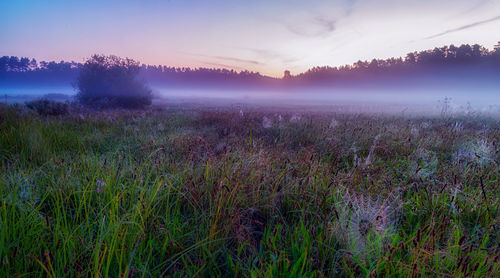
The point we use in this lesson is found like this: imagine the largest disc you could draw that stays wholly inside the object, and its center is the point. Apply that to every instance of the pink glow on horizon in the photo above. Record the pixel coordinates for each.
(262, 36)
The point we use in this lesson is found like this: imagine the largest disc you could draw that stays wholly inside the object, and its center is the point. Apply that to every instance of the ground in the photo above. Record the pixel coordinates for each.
(246, 191)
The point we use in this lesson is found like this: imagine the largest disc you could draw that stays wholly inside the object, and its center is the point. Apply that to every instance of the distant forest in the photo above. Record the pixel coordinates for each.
(448, 63)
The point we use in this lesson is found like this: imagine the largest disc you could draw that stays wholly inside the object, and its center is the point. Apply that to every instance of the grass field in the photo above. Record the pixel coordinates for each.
(248, 193)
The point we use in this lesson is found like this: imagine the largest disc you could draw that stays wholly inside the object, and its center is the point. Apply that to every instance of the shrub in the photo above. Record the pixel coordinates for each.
(45, 107)
(112, 82)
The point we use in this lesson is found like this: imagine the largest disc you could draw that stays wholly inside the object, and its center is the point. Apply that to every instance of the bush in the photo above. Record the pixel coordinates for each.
(112, 82)
(45, 107)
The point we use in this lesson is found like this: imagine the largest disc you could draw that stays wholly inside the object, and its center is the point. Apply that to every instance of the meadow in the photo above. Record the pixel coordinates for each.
(248, 192)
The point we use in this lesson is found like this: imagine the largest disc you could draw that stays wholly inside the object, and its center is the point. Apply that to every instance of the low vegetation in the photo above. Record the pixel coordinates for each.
(112, 82)
(45, 107)
(250, 192)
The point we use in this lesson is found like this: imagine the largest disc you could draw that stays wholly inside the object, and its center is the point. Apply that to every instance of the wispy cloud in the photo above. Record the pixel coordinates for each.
(464, 27)
(267, 55)
(238, 60)
(316, 27)
(350, 7)
(226, 58)
(328, 24)
(476, 6)
(220, 65)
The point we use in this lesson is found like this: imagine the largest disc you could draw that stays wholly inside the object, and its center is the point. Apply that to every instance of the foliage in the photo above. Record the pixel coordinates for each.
(447, 56)
(112, 82)
(45, 107)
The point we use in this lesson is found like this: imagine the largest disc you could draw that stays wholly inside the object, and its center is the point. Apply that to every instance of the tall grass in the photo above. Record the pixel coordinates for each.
(215, 193)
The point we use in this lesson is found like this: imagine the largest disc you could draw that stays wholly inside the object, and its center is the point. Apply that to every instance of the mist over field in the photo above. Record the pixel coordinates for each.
(466, 76)
(236, 138)
(381, 100)
(378, 100)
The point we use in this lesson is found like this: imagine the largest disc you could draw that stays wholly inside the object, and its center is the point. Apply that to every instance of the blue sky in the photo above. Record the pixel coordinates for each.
(266, 36)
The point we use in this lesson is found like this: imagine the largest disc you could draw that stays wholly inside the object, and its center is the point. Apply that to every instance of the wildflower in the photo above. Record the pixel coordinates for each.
(100, 185)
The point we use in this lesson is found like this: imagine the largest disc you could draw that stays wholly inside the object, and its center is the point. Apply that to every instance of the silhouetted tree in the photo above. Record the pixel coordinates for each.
(14, 69)
(112, 82)
(4, 62)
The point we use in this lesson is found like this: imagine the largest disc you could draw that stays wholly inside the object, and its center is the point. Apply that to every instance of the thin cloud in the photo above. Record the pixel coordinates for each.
(468, 26)
(350, 7)
(220, 65)
(226, 58)
(477, 6)
(223, 58)
(328, 24)
(267, 55)
(318, 26)
(238, 60)
(264, 53)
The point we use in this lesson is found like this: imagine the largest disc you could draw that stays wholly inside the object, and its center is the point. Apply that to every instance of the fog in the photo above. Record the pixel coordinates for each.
(20, 94)
(392, 100)
(368, 100)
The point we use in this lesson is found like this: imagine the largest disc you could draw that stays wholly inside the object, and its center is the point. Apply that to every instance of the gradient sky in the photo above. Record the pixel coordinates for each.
(268, 36)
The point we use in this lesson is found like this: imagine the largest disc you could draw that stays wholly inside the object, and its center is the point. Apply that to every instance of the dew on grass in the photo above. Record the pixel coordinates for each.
(477, 152)
(295, 118)
(267, 122)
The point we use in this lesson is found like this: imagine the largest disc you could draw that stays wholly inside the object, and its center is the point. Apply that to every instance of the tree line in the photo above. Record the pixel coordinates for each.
(24, 64)
(452, 57)
(463, 56)
(27, 65)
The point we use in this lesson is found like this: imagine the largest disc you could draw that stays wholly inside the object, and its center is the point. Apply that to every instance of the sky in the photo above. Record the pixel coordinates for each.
(268, 36)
